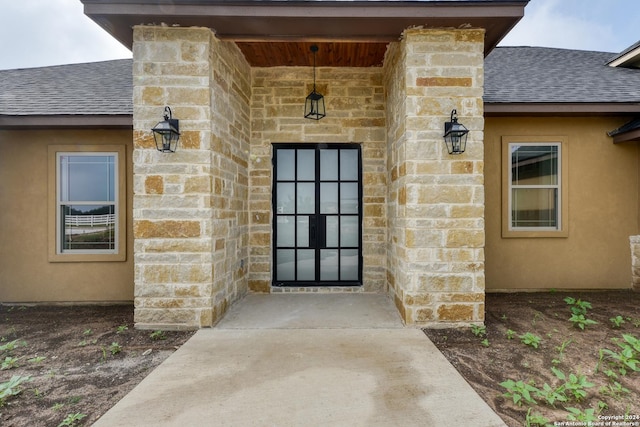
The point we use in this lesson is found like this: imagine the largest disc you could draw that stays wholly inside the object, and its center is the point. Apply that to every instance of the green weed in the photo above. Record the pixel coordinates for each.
(580, 321)
(617, 321)
(530, 339)
(158, 335)
(11, 388)
(536, 420)
(587, 416)
(478, 330)
(115, 348)
(9, 363)
(71, 419)
(520, 392)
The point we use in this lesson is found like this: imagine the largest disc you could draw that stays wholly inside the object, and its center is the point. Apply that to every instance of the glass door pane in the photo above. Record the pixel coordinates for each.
(317, 197)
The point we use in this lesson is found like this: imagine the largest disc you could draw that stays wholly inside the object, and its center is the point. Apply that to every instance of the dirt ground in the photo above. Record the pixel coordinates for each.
(486, 365)
(75, 368)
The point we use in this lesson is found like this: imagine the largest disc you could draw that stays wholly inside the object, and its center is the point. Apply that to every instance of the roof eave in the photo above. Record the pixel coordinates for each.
(96, 121)
(560, 109)
(305, 20)
(633, 135)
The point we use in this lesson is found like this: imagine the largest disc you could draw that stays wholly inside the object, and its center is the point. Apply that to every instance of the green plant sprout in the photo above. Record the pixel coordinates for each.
(587, 416)
(122, 328)
(535, 419)
(519, 391)
(577, 306)
(617, 321)
(71, 419)
(115, 348)
(158, 335)
(580, 321)
(9, 363)
(478, 330)
(510, 334)
(36, 359)
(11, 388)
(530, 339)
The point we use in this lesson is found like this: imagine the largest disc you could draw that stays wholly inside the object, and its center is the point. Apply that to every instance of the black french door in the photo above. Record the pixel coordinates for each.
(317, 221)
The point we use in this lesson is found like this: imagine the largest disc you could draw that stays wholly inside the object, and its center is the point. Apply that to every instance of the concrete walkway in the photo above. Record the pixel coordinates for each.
(305, 360)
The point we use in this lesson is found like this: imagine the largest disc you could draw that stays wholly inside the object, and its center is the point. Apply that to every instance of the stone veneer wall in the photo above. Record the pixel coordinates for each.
(355, 113)
(634, 241)
(436, 201)
(190, 208)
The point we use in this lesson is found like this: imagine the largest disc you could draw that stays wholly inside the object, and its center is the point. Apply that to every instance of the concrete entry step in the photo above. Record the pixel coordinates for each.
(312, 311)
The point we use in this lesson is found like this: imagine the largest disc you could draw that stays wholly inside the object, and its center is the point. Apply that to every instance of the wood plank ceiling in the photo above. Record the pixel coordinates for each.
(298, 54)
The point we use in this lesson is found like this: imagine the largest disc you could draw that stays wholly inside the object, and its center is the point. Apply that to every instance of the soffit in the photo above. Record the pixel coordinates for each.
(279, 33)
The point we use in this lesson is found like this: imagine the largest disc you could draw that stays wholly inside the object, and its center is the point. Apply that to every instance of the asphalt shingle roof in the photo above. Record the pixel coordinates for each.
(512, 75)
(96, 88)
(549, 75)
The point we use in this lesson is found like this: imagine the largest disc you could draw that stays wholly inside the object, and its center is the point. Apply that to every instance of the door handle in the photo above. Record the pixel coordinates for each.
(312, 231)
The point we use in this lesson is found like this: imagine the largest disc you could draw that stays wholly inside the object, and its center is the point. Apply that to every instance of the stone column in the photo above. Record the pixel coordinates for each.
(172, 214)
(635, 262)
(436, 200)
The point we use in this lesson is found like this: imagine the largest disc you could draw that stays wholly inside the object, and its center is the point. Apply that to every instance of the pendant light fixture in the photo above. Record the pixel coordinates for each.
(314, 105)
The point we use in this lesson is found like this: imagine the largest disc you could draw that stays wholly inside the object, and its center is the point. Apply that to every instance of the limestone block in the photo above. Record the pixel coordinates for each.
(461, 238)
(167, 229)
(455, 313)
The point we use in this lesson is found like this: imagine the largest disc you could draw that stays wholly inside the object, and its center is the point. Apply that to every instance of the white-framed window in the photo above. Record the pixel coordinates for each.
(534, 187)
(88, 204)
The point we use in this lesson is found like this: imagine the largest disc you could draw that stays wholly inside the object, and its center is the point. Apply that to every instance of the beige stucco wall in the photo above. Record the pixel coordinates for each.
(602, 210)
(26, 275)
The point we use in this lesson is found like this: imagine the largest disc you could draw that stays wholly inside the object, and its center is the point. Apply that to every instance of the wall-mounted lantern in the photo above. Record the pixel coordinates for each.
(314, 105)
(455, 135)
(166, 133)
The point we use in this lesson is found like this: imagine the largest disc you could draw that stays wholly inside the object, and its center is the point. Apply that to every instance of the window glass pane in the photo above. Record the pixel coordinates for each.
(87, 178)
(329, 165)
(306, 198)
(534, 207)
(286, 231)
(286, 198)
(303, 231)
(329, 264)
(285, 264)
(286, 163)
(534, 164)
(306, 165)
(332, 231)
(349, 235)
(328, 198)
(349, 198)
(349, 165)
(349, 264)
(306, 264)
(88, 227)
